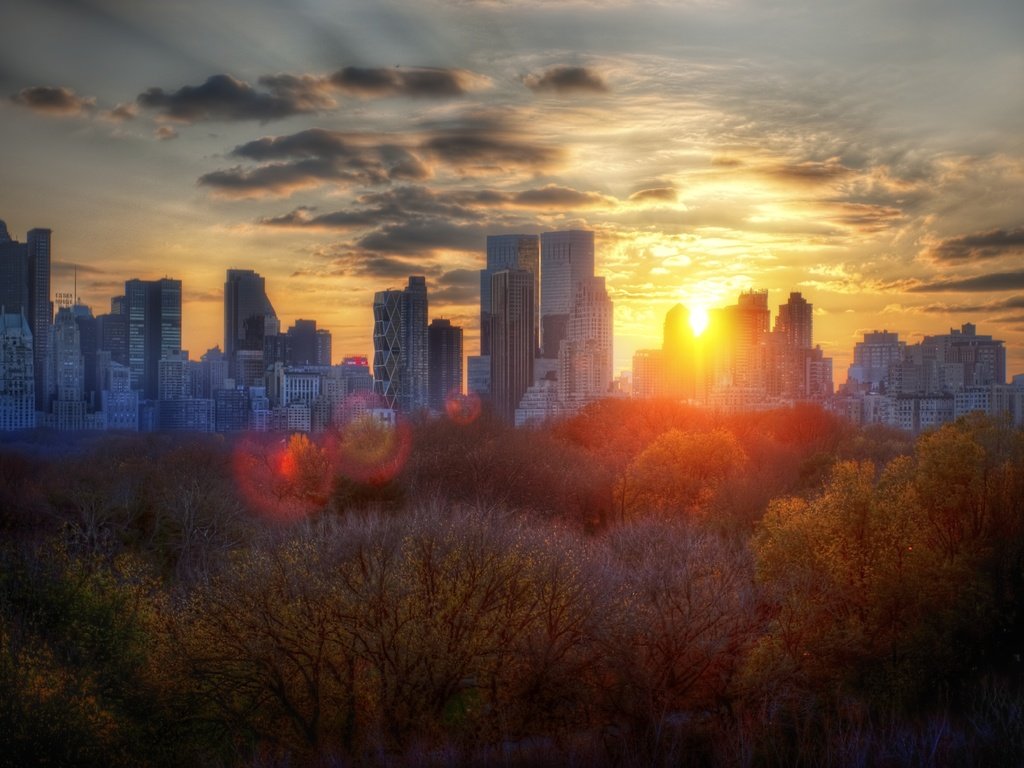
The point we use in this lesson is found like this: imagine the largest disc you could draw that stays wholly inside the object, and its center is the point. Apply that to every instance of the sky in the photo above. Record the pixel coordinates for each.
(868, 154)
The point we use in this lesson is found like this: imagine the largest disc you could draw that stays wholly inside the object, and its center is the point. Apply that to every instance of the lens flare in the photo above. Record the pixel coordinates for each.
(462, 409)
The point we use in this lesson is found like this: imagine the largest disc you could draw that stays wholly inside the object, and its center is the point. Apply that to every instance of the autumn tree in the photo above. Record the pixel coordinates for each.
(678, 473)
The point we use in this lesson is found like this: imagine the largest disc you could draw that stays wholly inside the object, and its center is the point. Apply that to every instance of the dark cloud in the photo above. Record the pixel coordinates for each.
(554, 196)
(654, 194)
(424, 236)
(302, 218)
(998, 281)
(55, 101)
(426, 82)
(980, 245)
(567, 80)
(457, 286)
(489, 150)
(309, 93)
(286, 178)
(311, 158)
(810, 171)
(863, 217)
(1016, 302)
(222, 97)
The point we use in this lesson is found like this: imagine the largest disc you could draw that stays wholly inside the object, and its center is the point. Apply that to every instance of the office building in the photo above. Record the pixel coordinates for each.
(153, 312)
(508, 252)
(444, 351)
(566, 258)
(585, 357)
(512, 334)
(400, 364)
(249, 317)
(25, 289)
(17, 377)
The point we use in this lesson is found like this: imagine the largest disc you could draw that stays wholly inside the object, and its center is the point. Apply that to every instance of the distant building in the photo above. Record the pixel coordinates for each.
(400, 364)
(507, 252)
(153, 309)
(249, 317)
(478, 376)
(585, 357)
(17, 379)
(566, 258)
(872, 359)
(512, 333)
(25, 290)
(444, 344)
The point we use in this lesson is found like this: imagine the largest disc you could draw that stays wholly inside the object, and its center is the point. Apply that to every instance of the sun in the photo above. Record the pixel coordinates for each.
(698, 320)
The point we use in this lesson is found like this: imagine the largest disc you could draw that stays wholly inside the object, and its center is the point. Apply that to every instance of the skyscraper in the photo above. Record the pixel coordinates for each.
(400, 366)
(249, 317)
(444, 343)
(153, 310)
(513, 313)
(585, 357)
(566, 258)
(25, 289)
(17, 379)
(507, 252)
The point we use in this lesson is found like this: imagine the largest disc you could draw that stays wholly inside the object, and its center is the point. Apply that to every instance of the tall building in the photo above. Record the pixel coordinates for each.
(400, 365)
(249, 317)
(153, 311)
(512, 333)
(17, 379)
(444, 345)
(67, 365)
(791, 348)
(585, 357)
(507, 252)
(680, 364)
(566, 258)
(872, 360)
(25, 289)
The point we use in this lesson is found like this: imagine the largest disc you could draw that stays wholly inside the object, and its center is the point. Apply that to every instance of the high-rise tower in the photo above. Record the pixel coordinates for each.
(585, 357)
(153, 311)
(512, 333)
(249, 316)
(508, 252)
(400, 366)
(566, 259)
(444, 342)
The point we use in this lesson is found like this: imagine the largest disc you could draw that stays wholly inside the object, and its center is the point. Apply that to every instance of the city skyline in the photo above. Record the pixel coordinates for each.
(868, 157)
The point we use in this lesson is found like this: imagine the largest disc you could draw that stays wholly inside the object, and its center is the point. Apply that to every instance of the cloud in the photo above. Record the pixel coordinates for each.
(979, 245)
(485, 149)
(456, 286)
(165, 133)
(54, 101)
(654, 194)
(997, 281)
(222, 97)
(554, 196)
(122, 113)
(809, 171)
(426, 82)
(302, 218)
(1016, 302)
(564, 79)
(424, 236)
(311, 158)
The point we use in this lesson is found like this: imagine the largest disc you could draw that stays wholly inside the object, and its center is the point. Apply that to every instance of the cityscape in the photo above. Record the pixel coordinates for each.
(511, 384)
(546, 350)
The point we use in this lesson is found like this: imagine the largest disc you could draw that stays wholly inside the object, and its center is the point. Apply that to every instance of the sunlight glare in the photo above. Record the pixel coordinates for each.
(698, 320)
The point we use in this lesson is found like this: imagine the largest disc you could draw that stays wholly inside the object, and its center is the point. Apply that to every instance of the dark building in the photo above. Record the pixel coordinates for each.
(400, 366)
(444, 344)
(301, 344)
(249, 317)
(507, 252)
(153, 311)
(25, 290)
(512, 339)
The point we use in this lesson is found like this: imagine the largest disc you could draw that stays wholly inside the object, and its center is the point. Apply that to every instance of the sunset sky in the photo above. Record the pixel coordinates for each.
(869, 154)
